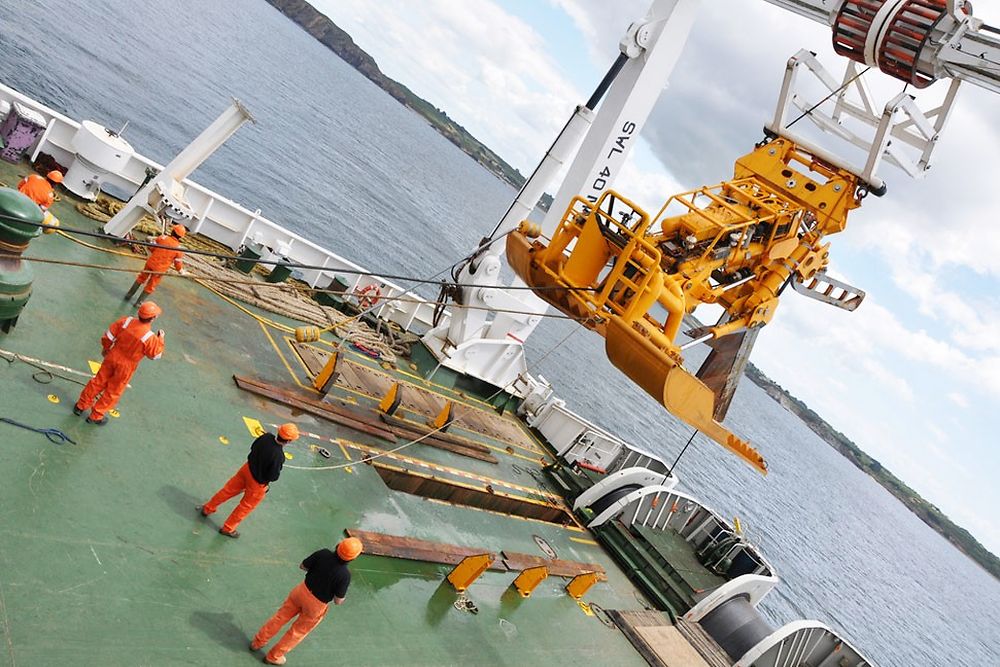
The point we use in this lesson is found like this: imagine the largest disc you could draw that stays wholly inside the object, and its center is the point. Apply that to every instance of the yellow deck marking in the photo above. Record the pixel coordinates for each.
(254, 426)
(575, 529)
(345, 452)
(447, 469)
(223, 439)
(382, 454)
(114, 413)
(52, 398)
(295, 353)
(289, 456)
(94, 366)
(582, 540)
(424, 384)
(464, 400)
(533, 459)
(284, 361)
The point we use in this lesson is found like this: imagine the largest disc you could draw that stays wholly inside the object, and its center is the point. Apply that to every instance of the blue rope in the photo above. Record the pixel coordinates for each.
(54, 435)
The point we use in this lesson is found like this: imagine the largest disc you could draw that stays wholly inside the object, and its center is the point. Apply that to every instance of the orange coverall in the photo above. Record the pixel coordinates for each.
(302, 603)
(160, 260)
(242, 482)
(38, 189)
(125, 343)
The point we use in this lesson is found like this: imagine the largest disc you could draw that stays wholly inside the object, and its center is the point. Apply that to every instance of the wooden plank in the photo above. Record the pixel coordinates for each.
(411, 548)
(286, 396)
(670, 646)
(630, 630)
(482, 496)
(560, 568)
(704, 644)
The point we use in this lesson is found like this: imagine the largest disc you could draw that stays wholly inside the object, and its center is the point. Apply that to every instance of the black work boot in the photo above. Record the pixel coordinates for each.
(142, 297)
(132, 290)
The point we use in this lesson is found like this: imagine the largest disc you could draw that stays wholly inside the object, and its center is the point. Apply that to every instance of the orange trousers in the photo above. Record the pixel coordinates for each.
(242, 482)
(151, 280)
(109, 383)
(300, 602)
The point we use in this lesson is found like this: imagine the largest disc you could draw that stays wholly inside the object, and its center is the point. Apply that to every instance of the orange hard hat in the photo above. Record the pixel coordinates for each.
(55, 176)
(350, 548)
(148, 310)
(180, 231)
(288, 432)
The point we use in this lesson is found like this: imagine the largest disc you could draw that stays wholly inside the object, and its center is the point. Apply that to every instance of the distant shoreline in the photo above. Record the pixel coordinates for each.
(959, 537)
(337, 40)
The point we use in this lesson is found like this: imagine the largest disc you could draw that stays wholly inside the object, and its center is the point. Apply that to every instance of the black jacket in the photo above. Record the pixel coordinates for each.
(266, 458)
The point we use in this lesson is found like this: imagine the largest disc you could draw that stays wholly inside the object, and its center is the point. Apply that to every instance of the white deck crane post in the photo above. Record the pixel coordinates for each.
(167, 184)
(491, 348)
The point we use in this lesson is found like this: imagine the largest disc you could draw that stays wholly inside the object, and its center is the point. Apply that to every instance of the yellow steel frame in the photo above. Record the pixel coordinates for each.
(767, 225)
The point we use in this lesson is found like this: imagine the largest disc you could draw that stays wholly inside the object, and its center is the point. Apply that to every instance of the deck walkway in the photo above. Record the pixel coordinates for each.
(105, 560)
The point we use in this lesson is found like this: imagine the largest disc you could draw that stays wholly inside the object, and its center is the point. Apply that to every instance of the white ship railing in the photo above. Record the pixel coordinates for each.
(229, 223)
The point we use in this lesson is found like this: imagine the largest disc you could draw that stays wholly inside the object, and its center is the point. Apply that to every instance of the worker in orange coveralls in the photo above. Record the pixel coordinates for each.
(327, 579)
(38, 188)
(158, 262)
(263, 466)
(125, 343)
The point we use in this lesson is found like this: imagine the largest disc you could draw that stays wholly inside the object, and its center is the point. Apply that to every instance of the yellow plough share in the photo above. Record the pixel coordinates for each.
(632, 278)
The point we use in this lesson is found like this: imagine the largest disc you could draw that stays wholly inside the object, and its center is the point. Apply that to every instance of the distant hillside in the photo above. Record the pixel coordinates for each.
(927, 512)
(338, 41)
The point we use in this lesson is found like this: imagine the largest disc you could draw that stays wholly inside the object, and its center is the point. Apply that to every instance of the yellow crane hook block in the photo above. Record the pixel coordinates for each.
(469, 570)
(632, 277)
(529, 579)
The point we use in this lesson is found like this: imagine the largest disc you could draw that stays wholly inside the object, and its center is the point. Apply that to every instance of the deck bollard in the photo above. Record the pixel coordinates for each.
(469, 570)
(326, 378)
(529, 579)
(20, 224)
(444, 417)
(390, 402)
(580, 584)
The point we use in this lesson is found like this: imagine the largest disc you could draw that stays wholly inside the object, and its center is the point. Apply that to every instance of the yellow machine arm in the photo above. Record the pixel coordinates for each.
(632, 278)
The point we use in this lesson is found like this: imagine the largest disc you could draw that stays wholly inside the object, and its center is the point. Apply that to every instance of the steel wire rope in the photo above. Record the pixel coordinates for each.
(538, 361)
(14, 356)
(257, 283)
(825, 99)
(296, 265)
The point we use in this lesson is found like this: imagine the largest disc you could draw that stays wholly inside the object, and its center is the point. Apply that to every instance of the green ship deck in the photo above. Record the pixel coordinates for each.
(104, 558)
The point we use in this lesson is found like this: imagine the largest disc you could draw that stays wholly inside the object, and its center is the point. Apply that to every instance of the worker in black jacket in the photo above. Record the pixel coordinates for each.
(263, 466)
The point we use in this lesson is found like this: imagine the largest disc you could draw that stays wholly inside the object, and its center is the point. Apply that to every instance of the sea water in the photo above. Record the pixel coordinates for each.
(337, 160)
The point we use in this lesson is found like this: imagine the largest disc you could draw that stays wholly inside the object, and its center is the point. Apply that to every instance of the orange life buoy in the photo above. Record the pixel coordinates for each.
(369, 296)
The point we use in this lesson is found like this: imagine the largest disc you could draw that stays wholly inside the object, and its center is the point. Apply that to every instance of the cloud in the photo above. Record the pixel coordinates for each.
(958, 399)
(489, 70)
(928, 336)
(898, 386)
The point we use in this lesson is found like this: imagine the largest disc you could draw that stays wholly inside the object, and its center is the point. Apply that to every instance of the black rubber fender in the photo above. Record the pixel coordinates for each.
(607, 500)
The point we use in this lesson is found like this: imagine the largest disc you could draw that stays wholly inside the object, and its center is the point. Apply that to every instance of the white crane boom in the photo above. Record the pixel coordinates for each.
(916, 41)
